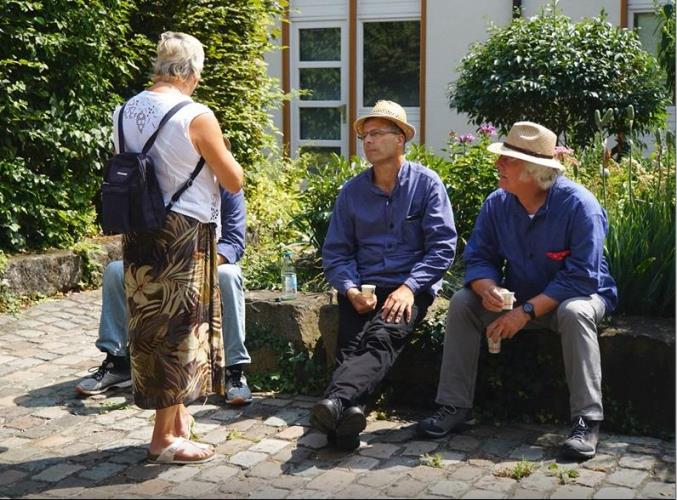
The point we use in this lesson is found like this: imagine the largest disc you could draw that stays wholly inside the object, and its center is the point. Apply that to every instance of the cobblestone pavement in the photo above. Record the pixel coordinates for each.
(54, 444)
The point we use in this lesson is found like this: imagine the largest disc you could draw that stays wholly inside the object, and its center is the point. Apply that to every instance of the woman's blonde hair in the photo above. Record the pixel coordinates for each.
(179, 56)
(544, 176)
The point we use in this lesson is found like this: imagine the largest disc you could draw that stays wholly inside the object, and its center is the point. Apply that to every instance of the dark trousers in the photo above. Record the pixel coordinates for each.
(368, 347)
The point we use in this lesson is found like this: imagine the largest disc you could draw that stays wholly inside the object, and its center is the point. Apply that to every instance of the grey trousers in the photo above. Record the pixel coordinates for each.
(575, 320)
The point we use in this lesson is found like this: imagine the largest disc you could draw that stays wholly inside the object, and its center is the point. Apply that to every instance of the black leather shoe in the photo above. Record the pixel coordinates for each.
(343, 443)
(352, 422)
(325, 414)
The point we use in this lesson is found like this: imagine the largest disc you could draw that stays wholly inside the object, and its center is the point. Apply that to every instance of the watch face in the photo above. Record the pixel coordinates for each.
(528, 307)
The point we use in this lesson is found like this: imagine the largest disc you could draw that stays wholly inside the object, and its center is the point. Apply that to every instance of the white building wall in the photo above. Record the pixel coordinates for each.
(577, 9)
(452, 26)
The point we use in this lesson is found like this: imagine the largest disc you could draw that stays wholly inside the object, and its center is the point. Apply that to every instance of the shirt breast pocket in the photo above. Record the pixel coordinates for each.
(555, 260)
(412, 232)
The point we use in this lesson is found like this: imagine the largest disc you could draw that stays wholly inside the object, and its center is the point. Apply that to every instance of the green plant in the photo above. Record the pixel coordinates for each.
(58, 60)
(563, 474)
(523, 468)
(298, 371)
(272, 202)
(666, 45)
(235, 84)
(550, 70)
(469, 176)
(107, 407)
(91, 267)
(232, 435)
(640, 245)
(434, 460)
(320, 186)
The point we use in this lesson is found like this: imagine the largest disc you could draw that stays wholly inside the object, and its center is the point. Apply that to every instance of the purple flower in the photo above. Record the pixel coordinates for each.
(466, 138)
(563, 150)
(487, 129)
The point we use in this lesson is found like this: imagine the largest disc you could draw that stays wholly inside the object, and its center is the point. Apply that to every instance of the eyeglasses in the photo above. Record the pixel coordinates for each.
(377, 132)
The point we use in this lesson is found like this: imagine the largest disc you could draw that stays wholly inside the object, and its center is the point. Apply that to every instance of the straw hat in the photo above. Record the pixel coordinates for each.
(390, 111)
(531, 142)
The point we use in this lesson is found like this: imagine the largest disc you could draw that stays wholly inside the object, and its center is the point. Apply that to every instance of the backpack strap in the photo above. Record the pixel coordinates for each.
(165, 119)
(188, 183)
(121, 133)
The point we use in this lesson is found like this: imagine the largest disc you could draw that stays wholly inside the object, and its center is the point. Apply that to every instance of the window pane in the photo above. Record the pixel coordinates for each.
(647, 22)
(391, 62)
(325, 84)
(320, 123)
(320, 44)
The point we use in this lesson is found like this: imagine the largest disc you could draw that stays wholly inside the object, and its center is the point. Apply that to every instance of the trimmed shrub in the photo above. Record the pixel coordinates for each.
(58, 60)
(551, 71)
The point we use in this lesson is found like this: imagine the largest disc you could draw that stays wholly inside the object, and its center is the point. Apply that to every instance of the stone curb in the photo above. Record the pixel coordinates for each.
(55, 270)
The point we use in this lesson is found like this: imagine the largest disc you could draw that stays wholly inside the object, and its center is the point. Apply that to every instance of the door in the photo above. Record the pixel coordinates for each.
(319, 117)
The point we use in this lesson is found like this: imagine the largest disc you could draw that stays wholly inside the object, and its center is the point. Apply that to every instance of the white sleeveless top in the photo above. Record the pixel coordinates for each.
(173, 153)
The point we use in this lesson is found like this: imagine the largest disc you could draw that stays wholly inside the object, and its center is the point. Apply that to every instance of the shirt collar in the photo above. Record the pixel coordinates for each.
(546, 205)
(402, 177)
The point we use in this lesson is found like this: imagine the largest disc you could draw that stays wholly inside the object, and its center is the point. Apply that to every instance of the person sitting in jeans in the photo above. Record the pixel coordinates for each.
(115, 370)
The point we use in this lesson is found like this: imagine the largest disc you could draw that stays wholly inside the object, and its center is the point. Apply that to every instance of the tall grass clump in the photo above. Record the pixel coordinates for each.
(639, 194)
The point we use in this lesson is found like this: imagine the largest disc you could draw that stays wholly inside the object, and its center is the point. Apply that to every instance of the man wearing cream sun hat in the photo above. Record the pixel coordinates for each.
(392, 227)
(541, 236)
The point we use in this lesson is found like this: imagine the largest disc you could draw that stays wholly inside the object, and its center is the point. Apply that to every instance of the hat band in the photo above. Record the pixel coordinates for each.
(527, 152)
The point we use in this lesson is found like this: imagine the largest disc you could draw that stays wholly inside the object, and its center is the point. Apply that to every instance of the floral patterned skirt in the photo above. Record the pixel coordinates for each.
(174, 306)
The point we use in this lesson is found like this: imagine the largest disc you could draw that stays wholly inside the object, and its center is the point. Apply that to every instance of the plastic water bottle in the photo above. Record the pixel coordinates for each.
(288, 277)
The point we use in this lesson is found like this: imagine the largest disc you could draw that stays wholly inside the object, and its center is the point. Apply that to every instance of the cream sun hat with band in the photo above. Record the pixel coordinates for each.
(531, 142)
(390, 111)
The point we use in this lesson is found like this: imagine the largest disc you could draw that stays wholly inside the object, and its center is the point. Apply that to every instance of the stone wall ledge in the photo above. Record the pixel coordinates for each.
(638, 362)
(55, 270)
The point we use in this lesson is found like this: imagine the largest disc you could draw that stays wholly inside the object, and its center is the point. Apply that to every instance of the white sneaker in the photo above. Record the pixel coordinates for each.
(237, 390)
(104, 378)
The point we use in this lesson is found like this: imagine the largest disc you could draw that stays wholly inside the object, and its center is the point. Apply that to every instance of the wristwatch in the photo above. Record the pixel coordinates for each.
(528, 308)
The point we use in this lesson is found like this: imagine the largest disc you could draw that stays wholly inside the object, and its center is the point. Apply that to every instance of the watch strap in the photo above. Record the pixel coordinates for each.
(528, 308)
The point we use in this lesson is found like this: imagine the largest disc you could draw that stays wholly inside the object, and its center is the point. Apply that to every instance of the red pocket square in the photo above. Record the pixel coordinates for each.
(558, 255)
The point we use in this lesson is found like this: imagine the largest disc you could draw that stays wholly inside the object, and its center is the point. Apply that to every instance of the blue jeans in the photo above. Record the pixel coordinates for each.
(113, 325)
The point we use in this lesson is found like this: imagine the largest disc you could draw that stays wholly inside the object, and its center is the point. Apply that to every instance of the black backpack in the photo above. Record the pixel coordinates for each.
(130, 195)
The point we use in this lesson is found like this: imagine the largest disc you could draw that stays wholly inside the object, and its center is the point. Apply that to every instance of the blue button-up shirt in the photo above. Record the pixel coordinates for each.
(405, 237)
(233, 226)
(559, 252)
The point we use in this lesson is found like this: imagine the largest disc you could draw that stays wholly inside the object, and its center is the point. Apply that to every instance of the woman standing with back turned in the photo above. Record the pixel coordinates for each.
(171, 280)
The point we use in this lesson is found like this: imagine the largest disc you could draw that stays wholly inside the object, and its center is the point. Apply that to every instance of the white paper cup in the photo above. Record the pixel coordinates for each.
(508, 299)
(494, 347)
(368, 290)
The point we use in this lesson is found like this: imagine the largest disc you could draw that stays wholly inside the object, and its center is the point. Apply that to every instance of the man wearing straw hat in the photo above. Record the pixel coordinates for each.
(541, 236)
(392, 227)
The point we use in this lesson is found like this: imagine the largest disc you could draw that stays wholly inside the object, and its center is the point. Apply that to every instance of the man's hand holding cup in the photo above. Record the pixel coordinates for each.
(362, 302)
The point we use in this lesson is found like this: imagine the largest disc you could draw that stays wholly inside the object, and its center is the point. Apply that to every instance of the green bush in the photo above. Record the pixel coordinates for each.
(666, 45)
(65, 64)
(235, 83)
(322, 180)
(551, 71)
(58, 60)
